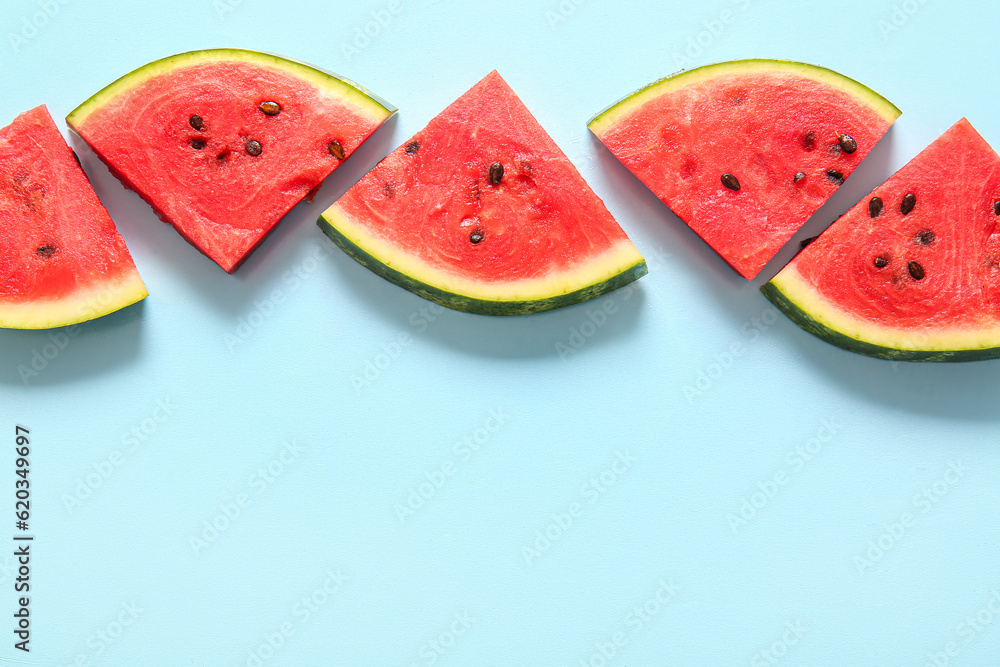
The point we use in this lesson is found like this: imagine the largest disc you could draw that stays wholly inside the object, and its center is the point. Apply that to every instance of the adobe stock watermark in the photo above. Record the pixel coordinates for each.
(923, 502)
(108, 635)
(435, 648)
(772, 655)
(562, 11)
(967, 630)
(634, 621)
(601, 310)
(42, 356)
(130, 441)
(421, 319)
(101, 303)
(714, 28)
(593, 490)
(362, 36)
(264, 309)
(224, 7)
(751, 330)
(230, 511)
(795, 460)
(34, 22)
(463, 450)
(302, 612)
(900, 15)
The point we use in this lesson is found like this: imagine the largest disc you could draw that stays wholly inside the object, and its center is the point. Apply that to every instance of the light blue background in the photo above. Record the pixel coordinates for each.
(452, 584)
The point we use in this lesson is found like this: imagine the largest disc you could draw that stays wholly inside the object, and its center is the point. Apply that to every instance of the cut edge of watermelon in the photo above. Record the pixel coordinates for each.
(613, 113)
(341, 86)
(615, 268)
(79, 306)
(812, 312)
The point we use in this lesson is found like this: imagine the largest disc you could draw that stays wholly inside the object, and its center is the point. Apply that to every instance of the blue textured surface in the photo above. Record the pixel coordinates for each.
(636, 482)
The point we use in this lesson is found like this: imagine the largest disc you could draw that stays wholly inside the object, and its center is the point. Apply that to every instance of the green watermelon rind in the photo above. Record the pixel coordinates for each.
(809, 323)
(883, 106)
(470, 304)
(348, 90)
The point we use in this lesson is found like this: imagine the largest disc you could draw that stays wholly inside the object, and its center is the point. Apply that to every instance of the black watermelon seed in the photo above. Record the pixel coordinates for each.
(925, 237)
(847, 143)
(270, 108)
(916, 270)
(390, 190)
(196, 122)
(835, 176)
(477, 236)
(804, 242)
(496, 173)
(798, 176)
(875, 207)
(197, 144)
(996, 207)
(413, 147)
(46, 251)
(254, 148)
(881, 262)
(730, 182)
(809, 140)
(336, 150)
(909, 201)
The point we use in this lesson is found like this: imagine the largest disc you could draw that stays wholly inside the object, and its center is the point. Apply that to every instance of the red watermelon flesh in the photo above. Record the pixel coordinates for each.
(915, 267)
(191, 135)
(775, 128)
(482, 212)
(62, 260)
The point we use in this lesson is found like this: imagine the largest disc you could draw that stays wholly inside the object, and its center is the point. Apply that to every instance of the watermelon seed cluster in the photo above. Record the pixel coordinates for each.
(925, 237)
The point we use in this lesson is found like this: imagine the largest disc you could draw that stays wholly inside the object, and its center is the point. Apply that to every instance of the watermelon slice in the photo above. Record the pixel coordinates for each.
(223, 143)
(913, 271)
(62, 260)
(480, 211)
(745, 151)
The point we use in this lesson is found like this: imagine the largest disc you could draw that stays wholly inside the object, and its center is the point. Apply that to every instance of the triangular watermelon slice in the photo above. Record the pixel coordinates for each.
(223, 143)
(745, 151)
(62, 260)
(480, 211)
(913, 271)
